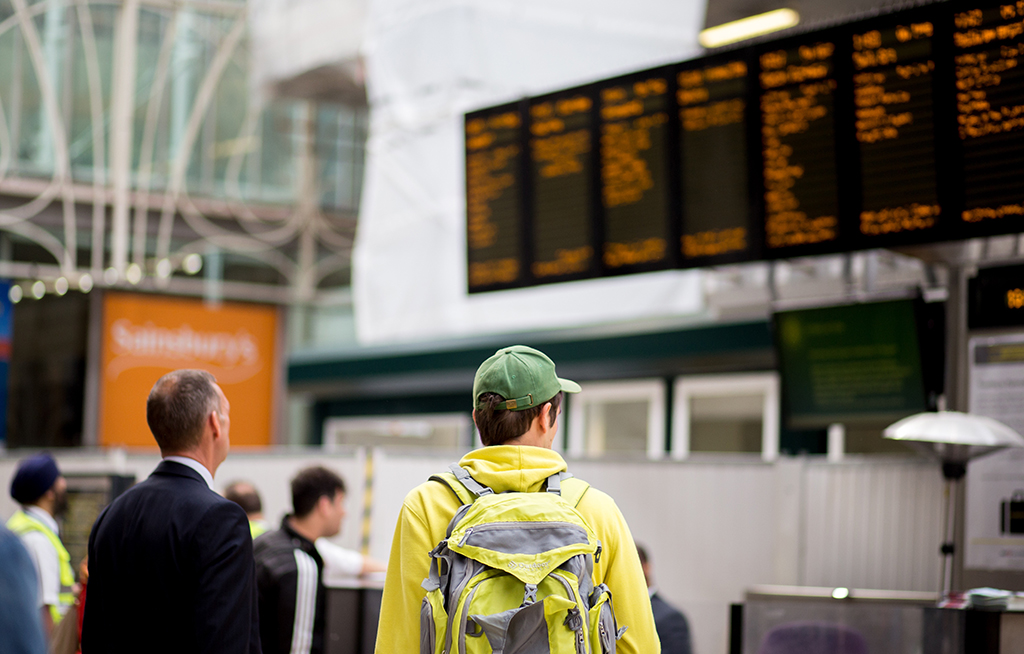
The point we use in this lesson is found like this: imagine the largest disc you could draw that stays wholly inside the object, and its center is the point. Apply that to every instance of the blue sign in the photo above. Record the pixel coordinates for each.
(6, 329)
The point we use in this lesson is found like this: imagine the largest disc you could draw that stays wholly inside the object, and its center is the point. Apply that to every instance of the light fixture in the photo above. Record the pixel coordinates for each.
(164, 268)
(110, 276)
(748, 28)
(953, 438)
(61, 285)
(133, 274)
(16, 293)
(192, 263)
(38, 290)
(85, 283)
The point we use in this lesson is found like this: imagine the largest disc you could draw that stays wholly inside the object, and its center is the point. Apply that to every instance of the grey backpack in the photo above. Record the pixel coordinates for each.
(514, 575)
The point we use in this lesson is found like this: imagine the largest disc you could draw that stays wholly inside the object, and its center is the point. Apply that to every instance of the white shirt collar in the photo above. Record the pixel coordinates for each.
(195, 465)
(43, 517)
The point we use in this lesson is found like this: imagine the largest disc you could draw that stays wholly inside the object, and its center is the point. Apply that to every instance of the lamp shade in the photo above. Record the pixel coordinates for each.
(953, 436)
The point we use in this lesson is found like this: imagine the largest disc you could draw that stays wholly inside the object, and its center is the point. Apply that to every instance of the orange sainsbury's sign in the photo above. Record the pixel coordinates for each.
(146, 336)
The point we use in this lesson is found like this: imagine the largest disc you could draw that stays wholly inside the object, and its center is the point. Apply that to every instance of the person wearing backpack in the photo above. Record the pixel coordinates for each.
(507, 551)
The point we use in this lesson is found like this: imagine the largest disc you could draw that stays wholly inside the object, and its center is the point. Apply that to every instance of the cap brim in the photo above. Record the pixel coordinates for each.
(569, 386)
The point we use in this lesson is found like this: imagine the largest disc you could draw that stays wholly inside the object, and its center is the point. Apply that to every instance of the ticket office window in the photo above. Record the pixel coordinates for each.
(625, 417)
(726, 414)
(441, 431)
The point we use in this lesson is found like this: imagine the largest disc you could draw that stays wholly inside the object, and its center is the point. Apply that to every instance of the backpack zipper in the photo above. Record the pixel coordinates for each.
(499, 526)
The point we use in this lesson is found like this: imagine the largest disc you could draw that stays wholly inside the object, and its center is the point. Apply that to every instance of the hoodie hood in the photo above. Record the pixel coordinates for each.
(513, 467)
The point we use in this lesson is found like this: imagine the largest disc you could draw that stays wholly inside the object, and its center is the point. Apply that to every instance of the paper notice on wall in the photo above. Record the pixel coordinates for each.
(994, 528)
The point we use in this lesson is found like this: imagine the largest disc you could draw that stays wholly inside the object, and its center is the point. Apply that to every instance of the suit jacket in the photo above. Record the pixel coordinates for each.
(673, 630)
(171, 571)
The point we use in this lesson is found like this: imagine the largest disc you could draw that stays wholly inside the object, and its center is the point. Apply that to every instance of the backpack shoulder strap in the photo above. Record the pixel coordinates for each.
(460, 491)
(573, 490)
(462, 483)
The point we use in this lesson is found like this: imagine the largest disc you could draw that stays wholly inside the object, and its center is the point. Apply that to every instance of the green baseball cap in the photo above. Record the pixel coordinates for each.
(525, 377)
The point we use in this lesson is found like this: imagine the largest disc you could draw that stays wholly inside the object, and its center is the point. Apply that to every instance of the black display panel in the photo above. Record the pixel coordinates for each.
(563, 186)
(494, 198)
(714, 143)
(636, 185)
(988, 49)
(996, 298)
(859, 363)
(904, 128)
(894, 75)
(798, 138)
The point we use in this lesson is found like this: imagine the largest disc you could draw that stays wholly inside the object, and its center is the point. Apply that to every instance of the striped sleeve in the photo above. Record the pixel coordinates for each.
(305, 603)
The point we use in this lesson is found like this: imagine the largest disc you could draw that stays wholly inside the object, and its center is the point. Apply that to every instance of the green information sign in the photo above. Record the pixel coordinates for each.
(849, 364)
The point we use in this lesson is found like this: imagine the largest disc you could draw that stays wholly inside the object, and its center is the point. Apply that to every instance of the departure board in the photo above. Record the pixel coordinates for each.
(562, 169)
(494, 197)
(988, 46)
(713, 143)
(899, 129)
(893, 73)
(801, 195)
(635, 181)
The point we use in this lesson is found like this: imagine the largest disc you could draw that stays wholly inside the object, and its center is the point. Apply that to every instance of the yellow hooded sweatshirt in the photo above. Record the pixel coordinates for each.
(429, 508)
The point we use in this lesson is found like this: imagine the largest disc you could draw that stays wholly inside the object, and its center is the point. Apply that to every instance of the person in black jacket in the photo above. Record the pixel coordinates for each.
(673, 629)
(289, 570)
(170, 561)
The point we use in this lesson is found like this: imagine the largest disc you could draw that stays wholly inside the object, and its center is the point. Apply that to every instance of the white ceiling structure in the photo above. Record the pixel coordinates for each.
(130, 139)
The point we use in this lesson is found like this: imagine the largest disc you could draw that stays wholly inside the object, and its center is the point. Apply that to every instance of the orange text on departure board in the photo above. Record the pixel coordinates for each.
(629, 114)
(1015, 298)
(646, 250)
(777, 70)
(498, 271)
(559, 152)
(699, 112)
(899, 219)
(714, 242)
(784, 113)
(873, 99)
(489, 172)
(976, 73)
(625, 135)
(567, 262)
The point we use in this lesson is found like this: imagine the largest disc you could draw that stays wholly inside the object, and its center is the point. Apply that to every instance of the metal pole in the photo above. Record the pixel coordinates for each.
(122, 119)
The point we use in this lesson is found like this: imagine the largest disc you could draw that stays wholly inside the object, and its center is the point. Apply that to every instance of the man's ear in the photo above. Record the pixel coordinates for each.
(323, 503)
(545, 417)
(214, 421)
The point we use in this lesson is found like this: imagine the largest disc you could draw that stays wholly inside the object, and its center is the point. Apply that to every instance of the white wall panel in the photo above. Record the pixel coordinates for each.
(873, 525)
(714, 527)
(709, 528)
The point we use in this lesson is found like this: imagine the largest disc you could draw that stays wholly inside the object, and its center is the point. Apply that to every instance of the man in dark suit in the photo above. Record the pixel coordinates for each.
(673, 630)
(170, 561)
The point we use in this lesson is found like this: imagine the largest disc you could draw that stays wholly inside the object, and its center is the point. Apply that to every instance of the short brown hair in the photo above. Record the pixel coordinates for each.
(178, 406)
(498, 426)
(310, 485)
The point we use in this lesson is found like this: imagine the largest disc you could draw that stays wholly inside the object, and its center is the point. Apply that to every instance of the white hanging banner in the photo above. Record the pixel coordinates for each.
(429, 63)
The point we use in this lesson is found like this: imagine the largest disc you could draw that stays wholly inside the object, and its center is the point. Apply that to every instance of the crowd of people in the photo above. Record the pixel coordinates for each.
(172, 551)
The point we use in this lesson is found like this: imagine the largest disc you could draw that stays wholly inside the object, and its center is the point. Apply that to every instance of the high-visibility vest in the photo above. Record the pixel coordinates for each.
(257, 528)
(22, 523)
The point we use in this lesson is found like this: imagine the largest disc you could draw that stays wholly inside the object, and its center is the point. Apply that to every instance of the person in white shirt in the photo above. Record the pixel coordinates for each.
(41, 491)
